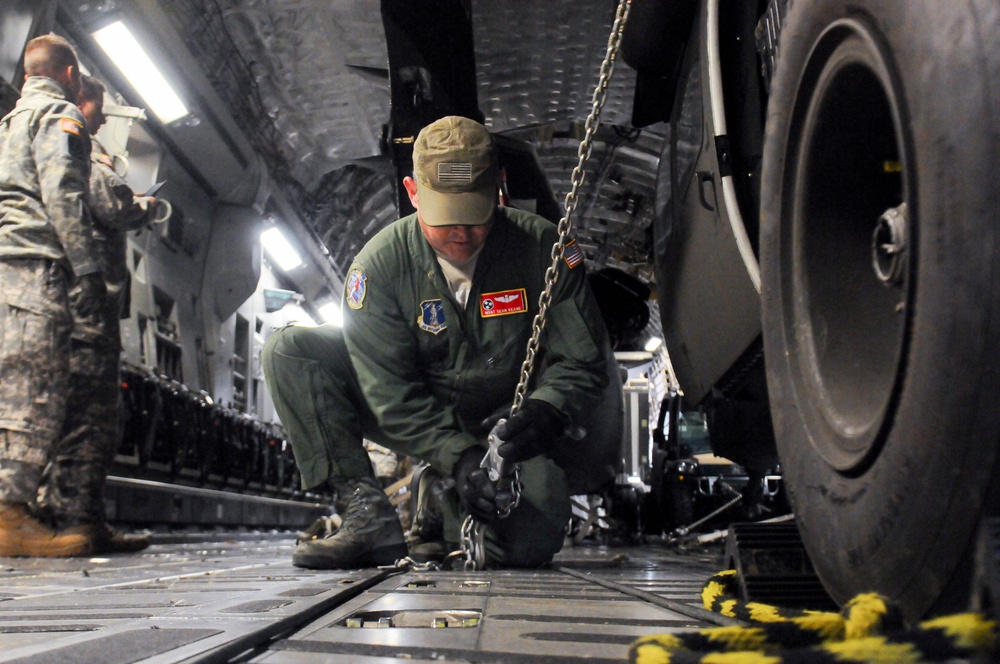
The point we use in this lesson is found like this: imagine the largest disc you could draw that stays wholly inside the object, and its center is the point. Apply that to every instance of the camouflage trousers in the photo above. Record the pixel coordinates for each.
(73, 485)
(35, 327)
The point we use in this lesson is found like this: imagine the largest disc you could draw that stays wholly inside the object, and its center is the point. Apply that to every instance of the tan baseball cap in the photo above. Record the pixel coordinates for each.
(455, 167)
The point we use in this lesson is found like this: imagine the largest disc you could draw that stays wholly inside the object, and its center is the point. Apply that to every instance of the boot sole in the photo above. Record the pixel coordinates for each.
(121, 547)
(64, 551)
(377, 557)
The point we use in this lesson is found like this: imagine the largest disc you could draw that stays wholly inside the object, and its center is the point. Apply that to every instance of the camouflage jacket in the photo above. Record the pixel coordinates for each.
(44, 167)
(115, 211)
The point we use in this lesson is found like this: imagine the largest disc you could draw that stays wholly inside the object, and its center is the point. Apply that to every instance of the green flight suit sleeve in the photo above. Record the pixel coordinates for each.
(383, 350)
(61, 148)
(575, 349)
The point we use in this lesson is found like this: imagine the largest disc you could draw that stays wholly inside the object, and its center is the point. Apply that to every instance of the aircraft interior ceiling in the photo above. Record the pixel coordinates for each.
(298, 92)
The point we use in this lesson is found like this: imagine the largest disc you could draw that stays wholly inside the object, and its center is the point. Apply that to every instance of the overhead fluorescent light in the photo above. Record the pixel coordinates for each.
(652, 344)
(278, 248)
(131, 59)
(332, 313)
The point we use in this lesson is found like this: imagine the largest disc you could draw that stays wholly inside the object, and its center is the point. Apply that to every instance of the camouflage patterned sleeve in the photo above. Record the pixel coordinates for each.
(113, 204)
(62, 156)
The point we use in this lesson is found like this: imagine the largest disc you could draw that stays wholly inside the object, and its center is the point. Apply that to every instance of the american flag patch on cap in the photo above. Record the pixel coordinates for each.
(455, 172)
(572, 254)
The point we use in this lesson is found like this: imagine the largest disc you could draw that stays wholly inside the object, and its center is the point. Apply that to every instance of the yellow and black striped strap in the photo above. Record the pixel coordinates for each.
(868, 629)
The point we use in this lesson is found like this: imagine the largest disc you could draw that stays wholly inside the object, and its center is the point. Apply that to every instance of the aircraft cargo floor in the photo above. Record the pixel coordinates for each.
(237, 597)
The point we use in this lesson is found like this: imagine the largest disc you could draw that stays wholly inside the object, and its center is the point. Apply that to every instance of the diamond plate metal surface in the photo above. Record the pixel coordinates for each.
(242, 598)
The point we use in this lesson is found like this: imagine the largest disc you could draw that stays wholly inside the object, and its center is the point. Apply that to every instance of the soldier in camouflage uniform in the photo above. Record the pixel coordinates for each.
(47, 258)
(73, 491)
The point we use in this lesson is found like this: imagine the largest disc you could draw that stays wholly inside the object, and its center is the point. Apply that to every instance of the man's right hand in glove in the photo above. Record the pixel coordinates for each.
(88, 294)
(531, 430)
(479, 496)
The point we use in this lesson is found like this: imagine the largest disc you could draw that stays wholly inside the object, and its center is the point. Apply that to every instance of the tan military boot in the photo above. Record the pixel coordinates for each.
(369, 536)
(102, 538)
(23, 535)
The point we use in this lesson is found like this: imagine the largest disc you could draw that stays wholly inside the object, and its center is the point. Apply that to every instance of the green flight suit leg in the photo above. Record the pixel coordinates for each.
(317, 396)
(534, 531)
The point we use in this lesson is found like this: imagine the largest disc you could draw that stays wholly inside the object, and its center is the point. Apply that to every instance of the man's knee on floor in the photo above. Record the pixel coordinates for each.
(532, 551)
(529, 538)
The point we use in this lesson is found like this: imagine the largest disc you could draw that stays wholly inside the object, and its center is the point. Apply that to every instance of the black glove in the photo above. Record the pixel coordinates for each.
(531, 430)
(497, 415)
(479, 496)
(88, 294)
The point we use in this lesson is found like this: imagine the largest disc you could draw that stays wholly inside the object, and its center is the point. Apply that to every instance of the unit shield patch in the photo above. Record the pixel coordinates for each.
(503, 303)
(431, 317)
(356, 288)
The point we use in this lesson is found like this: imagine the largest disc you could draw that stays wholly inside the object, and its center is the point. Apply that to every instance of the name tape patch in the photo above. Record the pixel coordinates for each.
(503, 303)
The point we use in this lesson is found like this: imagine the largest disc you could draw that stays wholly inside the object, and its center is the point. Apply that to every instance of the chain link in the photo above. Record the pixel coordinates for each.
(408, 564)
(565, 226)
(472, 545)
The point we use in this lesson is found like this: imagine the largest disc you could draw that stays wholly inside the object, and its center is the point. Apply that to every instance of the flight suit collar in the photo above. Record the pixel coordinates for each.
(427, 259)
(495, 243)
(428, 264)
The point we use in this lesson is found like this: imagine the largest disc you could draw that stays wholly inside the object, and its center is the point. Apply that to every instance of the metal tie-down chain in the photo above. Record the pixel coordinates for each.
(508, 478)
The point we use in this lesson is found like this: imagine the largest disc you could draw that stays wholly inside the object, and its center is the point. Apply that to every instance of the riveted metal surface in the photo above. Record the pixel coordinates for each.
(168, 603)
(313, 95)
(241, 598)
(528, 615)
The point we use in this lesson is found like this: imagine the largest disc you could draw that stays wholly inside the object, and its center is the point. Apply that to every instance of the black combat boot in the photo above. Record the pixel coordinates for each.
(369, 536)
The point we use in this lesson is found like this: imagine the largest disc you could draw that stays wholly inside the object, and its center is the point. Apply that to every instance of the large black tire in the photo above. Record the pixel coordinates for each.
(884, 390)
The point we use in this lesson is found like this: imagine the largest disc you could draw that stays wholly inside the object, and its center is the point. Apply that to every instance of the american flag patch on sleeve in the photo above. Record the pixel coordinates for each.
(572, 254)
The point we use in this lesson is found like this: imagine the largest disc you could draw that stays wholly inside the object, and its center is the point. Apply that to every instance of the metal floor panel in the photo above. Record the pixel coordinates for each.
(240, 598)
(550, 615)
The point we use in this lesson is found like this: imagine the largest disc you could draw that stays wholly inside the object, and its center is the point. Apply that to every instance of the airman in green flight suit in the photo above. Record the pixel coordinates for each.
(439, 310)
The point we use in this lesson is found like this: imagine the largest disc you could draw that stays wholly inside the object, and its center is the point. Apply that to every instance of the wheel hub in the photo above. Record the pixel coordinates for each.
(849, 218)
(889, 245)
